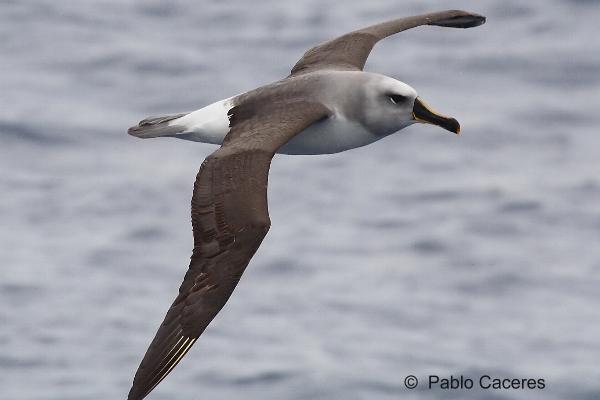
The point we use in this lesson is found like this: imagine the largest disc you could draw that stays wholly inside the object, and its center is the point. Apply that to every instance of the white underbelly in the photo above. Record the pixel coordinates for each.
(332, 135)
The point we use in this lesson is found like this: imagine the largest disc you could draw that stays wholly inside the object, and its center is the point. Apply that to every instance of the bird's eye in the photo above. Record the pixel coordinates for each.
(397, 98)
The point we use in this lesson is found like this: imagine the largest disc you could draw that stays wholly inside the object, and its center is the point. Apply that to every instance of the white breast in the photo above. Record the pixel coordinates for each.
(333, 135)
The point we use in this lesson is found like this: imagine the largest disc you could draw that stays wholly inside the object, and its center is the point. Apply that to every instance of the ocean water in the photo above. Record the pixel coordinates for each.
(421, 254)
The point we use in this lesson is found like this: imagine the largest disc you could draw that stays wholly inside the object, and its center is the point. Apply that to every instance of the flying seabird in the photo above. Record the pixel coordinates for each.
(326, 105)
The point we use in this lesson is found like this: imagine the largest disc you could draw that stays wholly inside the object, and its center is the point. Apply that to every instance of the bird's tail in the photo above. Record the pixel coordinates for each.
(157, 126)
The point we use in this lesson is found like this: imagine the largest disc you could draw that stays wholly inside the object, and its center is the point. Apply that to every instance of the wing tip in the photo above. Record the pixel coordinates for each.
(142, 388)
(461, 19)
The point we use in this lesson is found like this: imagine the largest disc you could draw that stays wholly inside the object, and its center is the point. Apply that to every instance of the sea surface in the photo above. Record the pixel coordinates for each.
(424, 253)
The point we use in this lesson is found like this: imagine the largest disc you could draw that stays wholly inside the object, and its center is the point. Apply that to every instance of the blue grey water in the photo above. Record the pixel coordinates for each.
(423, 253)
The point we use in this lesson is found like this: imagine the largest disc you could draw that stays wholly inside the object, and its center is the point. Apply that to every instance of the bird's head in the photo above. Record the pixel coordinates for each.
(391, 105)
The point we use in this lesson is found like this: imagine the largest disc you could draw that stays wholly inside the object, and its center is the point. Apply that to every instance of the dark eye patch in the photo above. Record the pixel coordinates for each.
(398, 98)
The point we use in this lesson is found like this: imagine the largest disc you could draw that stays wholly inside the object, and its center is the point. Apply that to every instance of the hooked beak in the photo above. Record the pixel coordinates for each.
(422, 113)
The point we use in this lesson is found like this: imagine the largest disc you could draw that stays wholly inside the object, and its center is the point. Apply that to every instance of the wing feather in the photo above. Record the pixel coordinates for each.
(350, 51)
(230, 219)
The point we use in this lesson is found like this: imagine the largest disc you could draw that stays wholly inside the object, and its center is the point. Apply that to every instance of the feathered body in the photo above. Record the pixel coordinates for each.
(361, 113)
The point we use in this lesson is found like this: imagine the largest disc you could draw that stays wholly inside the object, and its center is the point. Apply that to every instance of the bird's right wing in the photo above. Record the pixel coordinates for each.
(350, 51)
(230, 219)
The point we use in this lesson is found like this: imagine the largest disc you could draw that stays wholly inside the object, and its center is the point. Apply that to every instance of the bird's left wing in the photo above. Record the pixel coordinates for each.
(230, 219)
(350, 51)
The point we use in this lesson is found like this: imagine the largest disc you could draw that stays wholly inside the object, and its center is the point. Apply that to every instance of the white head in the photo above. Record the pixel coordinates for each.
(388, 105)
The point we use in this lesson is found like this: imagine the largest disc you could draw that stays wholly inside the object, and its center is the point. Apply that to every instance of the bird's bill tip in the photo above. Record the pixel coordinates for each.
(424, 114)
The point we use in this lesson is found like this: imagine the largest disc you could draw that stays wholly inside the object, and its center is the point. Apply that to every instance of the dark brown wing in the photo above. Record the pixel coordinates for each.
(350, 51)
(230, 219)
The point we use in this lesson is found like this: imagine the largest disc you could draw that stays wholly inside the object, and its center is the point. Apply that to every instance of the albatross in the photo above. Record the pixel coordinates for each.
(327, 104)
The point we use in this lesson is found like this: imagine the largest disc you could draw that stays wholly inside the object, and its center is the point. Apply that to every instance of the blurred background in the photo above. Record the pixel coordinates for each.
(423, 253)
